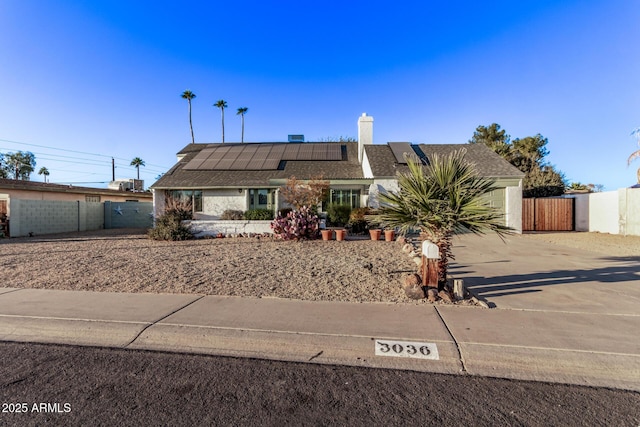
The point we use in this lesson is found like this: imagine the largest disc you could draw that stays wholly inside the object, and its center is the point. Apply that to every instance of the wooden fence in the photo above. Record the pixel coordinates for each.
(547, 214)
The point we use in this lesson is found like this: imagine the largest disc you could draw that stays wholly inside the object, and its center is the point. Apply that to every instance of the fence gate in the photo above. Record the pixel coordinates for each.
(547, 214)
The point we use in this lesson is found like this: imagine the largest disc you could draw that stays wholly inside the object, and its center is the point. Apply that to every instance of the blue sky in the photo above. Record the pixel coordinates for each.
(103, 78)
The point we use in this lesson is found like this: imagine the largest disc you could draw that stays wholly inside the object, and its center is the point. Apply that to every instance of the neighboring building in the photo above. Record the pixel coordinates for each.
(32, 190)
(218, 177)
(45, 208)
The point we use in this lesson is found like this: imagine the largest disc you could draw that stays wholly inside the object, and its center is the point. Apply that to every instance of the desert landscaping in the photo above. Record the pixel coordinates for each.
(356, 270)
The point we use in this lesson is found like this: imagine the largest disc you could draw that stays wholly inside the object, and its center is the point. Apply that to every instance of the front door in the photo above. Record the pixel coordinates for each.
(260, 198)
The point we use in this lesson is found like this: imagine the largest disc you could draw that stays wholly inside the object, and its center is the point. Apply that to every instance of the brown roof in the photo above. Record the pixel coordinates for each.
(486, 161)
(12, 184)
(179, 177)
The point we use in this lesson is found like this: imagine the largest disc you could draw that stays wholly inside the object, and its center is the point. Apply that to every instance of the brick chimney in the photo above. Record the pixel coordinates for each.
(365, 133)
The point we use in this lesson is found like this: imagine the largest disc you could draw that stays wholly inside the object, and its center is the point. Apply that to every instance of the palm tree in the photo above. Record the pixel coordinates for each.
(635, 154)
(241, 112)
(221, 104)
(188, 95)
(44, 171)
(441, 199)
(137, 162)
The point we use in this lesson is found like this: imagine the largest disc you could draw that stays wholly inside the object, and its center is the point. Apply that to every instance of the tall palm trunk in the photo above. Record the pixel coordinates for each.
(193, 139)
(222, 109)
(242, 137)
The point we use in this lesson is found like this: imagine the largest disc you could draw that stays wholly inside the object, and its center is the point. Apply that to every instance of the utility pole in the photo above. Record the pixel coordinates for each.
(113, 169)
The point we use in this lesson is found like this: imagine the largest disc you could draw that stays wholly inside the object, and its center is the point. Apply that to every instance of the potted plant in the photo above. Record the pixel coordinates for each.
(341, 234)
(327, 234)
(389, 235)
(375, 233)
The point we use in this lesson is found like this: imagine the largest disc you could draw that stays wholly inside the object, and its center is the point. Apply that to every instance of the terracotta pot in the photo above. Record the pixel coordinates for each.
(327, 234)
(389, 235)
(375, 234)
(340, 235)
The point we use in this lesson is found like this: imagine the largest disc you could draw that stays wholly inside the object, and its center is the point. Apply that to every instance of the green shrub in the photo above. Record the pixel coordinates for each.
(232, 215)
(259, 214)
(338, 215)
(169, 227)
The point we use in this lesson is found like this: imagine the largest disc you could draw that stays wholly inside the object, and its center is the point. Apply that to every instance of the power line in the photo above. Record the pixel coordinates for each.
(73, 151)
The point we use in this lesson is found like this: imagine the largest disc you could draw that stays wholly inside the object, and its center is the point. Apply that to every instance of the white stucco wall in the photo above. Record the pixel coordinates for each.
(366, 166)
(380, 186)
(215, 202)
(581, 212)
(513, 208)
(227, 228)
(629, 211)
(604, 212)
(614, 212)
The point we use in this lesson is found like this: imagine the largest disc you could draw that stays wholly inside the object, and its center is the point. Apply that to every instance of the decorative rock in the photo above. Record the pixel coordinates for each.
(480, 302)
(401, 240)
(418, 261)
(407, 248)
(412, 280)
(445, 296)
(412, 287)
(432, 294)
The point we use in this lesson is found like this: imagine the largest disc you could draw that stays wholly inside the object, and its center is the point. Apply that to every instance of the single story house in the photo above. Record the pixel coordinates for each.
(234, 176)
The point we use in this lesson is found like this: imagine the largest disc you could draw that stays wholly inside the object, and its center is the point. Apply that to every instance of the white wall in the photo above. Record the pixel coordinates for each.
(227, 228)
(604, 213)
(380, 186)
(215, 202)
(614, 212)
(513, 208)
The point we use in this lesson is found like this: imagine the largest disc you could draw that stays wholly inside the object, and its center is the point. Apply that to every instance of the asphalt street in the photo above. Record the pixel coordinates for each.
(42, 384)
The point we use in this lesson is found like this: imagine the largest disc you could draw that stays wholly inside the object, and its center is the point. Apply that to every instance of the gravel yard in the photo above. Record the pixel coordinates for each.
(127, 261)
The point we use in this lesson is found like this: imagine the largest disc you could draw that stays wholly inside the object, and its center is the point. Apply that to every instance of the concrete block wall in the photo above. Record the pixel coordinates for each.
(128, 215)
(49, 217)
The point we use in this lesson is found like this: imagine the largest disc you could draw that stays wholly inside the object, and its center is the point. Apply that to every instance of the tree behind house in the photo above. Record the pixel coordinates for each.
(527, 154)
(19, 165)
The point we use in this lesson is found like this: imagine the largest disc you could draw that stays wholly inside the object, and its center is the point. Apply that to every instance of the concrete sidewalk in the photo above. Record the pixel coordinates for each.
(576, 348)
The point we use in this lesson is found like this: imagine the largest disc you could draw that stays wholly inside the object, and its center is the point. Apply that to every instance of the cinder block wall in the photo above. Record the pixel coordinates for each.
(50, 217)
(128, 215)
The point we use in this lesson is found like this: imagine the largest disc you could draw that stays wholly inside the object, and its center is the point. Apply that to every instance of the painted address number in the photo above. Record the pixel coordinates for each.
(417, 350)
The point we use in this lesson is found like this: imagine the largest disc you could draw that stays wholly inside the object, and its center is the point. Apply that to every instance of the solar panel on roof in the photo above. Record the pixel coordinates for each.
(270, 164)
(334, 152)
(261, 156)
(240, 164)
(399, 149)
(305, 152)
(255, 164)
(291, 152)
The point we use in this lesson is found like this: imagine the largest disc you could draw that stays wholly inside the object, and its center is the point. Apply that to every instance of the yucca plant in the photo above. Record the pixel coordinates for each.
(442, 198)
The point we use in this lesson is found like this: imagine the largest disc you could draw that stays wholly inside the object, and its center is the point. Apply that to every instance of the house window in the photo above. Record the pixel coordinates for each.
(92, 199)
(194, 195)
(346, 197)
(260, 198)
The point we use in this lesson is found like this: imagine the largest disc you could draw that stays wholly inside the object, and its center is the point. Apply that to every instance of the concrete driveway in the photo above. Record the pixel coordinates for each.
(528, 274)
